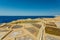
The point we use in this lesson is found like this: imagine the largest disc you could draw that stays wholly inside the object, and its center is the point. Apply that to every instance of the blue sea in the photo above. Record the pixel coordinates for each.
(6, 19)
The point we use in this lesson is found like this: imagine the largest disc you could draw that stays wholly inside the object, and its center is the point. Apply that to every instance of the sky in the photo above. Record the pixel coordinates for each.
(29, 7)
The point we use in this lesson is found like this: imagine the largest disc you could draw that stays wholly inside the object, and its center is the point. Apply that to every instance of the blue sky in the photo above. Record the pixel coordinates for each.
(29, 7)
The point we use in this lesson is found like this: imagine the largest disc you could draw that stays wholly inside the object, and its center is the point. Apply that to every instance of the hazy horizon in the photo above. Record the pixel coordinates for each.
(29, 7)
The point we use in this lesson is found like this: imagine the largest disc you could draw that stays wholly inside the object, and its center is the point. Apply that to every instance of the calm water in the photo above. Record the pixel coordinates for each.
(5, 19)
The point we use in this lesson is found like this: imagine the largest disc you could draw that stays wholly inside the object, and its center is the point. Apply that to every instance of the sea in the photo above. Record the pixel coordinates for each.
(6, 19)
